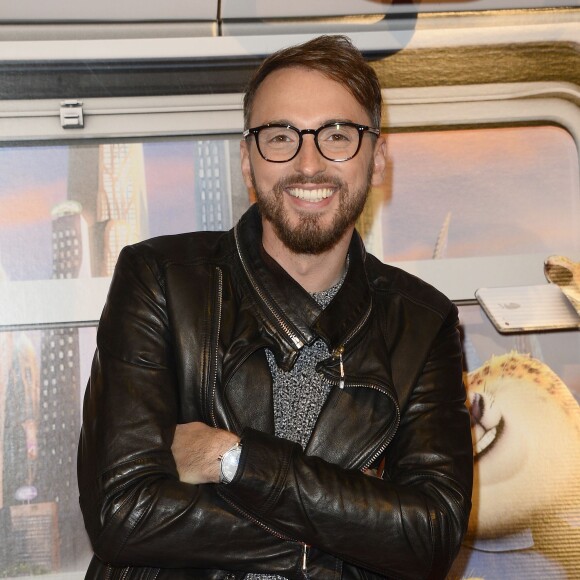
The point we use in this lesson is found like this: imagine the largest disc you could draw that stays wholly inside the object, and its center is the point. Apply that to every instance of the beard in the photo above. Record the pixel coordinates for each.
(309, 236)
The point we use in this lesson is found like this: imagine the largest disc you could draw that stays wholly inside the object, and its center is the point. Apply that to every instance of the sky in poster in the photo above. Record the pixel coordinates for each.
(511, 190)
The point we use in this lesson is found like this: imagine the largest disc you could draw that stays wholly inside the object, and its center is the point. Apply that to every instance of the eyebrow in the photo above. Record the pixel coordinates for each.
(326, 122)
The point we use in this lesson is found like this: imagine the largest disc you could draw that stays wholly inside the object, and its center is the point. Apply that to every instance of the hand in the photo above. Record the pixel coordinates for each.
(196, 448)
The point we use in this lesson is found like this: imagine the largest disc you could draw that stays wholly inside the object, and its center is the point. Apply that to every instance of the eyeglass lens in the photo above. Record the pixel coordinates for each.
(336, 142)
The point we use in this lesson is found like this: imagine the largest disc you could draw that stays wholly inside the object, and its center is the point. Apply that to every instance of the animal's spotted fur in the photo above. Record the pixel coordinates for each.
(566, 274)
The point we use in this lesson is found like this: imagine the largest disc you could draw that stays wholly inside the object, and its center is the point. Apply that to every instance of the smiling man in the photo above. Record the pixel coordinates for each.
(273, 402)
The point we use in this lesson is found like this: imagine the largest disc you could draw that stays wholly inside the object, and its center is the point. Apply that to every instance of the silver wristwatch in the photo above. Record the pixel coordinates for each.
(229, 462)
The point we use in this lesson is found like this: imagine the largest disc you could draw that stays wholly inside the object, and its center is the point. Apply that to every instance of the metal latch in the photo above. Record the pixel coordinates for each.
(71, 114)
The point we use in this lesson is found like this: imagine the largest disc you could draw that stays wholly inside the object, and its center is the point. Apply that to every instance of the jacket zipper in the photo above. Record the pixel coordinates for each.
(393, 429)
(216, 360)
(305, 548)
(109, 572)
(219, 322)
(296, 340)
(125, 573)
(339, 350)
(273, 532)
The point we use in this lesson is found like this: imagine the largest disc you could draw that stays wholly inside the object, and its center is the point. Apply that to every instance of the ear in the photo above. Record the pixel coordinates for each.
(245, 163)
(379, 161)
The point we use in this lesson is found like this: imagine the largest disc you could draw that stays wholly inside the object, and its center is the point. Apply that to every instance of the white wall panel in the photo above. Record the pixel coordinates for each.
(248, 9)
(108, 10)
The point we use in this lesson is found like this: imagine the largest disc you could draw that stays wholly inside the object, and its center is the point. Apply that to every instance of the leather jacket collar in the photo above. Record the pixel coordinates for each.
(298, 315)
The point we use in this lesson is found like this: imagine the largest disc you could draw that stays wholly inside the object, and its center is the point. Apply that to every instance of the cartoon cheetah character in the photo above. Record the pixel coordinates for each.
(566, 274)
(526, 430)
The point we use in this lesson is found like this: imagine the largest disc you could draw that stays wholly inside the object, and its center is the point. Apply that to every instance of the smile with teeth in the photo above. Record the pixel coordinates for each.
(310, 194)
(489, 437)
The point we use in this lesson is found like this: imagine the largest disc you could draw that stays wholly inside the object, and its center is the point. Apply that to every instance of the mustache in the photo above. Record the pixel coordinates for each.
(299, 179)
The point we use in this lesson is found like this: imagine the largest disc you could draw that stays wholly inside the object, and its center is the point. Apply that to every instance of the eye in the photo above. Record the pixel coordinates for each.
(338, 135)
(278, 136)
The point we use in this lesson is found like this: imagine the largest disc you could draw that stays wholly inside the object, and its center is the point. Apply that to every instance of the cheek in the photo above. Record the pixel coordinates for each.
(357, 177)
(266, 174)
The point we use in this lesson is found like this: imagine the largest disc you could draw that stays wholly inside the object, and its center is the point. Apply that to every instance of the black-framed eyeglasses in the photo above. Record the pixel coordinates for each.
(279, 143)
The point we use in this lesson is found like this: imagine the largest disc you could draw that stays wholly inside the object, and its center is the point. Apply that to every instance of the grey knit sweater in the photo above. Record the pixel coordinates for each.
(300, 393)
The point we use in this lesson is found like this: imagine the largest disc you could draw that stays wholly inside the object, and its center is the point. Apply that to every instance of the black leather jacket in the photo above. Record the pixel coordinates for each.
(182, 339)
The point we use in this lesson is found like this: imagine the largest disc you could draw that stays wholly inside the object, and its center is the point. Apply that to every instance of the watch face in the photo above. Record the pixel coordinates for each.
(229, 463)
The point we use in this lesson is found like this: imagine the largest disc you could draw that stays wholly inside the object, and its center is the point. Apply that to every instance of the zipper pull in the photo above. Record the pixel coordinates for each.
(338, 353)
(304, 559)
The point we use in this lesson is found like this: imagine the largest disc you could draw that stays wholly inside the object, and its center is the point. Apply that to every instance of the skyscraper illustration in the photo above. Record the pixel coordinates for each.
(5, 365)
(30, 531)
(213, 203)
(34, 537)
(121, 201)
(106, 209)
(108, 180)
(60, 389)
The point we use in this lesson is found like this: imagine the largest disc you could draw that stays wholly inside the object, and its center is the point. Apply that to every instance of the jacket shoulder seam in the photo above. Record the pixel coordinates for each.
(163, 260)
(422, 303)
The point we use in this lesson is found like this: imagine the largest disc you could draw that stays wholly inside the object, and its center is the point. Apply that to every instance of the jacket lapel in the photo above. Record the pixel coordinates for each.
(355, 424)
(365, 413)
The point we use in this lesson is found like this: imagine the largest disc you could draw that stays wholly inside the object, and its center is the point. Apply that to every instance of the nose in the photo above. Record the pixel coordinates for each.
(477, 408)
(309, 161)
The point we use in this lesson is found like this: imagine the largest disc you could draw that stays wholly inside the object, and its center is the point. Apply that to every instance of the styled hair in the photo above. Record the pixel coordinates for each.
(333, 56)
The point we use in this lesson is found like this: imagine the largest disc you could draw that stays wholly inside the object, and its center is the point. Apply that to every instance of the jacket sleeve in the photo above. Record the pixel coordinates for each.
(136, 510)
(410, 523)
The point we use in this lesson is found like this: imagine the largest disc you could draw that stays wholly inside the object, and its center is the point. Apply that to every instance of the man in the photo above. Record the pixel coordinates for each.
(272, 401)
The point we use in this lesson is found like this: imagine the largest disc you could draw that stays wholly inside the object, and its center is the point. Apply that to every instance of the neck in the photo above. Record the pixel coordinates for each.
(314, 273)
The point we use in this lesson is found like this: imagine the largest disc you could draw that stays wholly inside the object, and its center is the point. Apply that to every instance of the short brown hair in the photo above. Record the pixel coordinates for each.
(333, 56)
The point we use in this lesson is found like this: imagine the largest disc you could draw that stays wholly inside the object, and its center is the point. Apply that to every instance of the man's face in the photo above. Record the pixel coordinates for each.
(307, 99)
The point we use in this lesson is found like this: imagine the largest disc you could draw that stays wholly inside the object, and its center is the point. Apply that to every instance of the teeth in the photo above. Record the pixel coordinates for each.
(310, 194)
(485, 441)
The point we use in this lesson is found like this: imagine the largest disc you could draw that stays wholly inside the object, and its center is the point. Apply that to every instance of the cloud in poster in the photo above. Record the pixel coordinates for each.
(32, 181)
(510, 190)
(31, 205)
(516, 149)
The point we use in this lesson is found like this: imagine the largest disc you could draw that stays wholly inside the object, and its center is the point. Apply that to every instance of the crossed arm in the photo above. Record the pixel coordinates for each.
(196, 446)
(138, 512)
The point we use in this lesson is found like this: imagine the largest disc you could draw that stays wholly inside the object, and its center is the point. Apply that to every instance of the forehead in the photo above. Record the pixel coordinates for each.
(304, 98)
